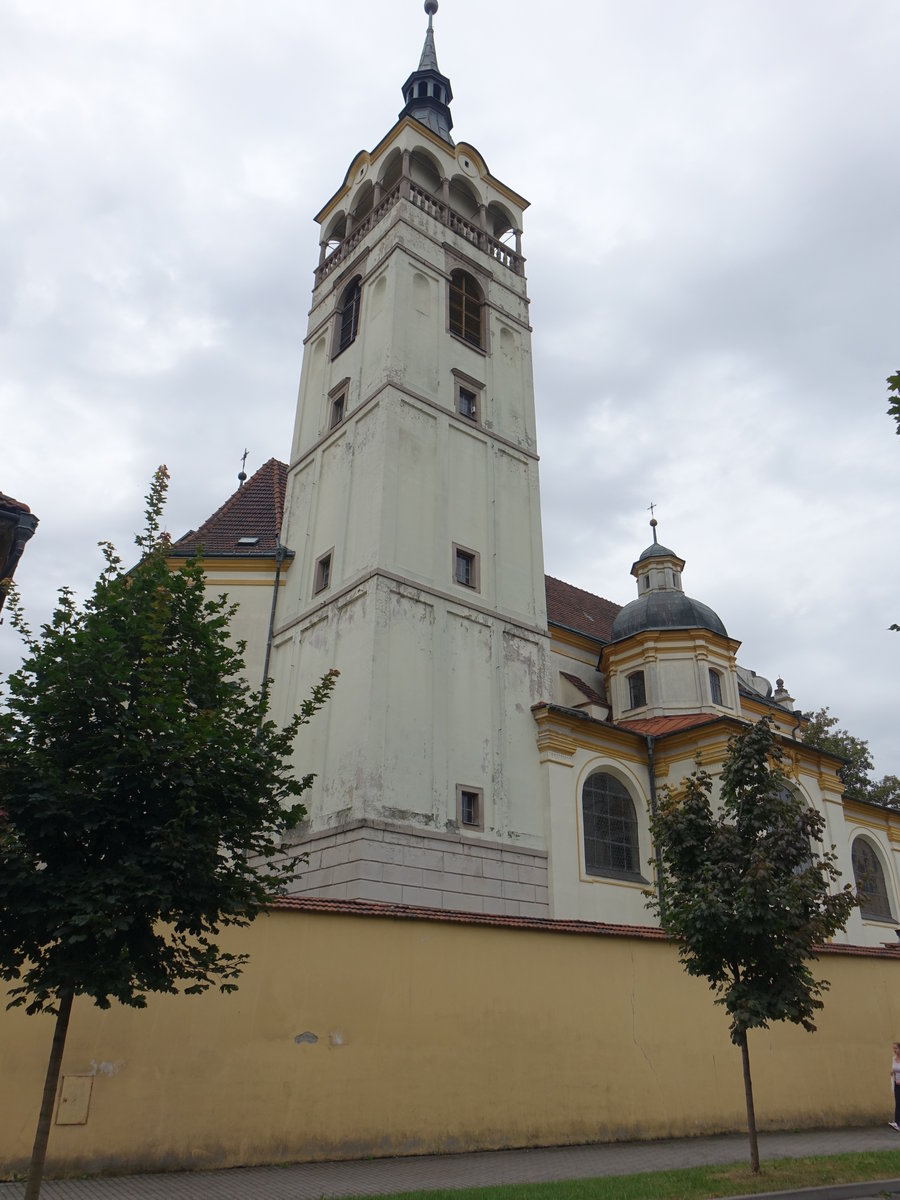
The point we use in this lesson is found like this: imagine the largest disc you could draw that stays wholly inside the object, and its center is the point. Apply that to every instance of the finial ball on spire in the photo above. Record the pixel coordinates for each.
(431, 7)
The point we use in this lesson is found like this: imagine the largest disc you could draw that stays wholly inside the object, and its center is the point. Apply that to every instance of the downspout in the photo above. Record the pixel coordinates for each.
(651, 771)
(281, 553)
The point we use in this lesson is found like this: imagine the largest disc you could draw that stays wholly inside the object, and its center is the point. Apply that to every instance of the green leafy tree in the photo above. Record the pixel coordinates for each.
(893, 382)
(144, 793)
(823, 732)
(747, 892)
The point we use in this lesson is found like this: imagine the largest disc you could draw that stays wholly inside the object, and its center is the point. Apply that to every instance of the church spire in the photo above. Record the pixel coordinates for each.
(427, 92)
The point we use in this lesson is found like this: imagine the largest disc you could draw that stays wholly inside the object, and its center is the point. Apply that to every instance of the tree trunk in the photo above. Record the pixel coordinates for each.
(748, 1096)
(42, 1136)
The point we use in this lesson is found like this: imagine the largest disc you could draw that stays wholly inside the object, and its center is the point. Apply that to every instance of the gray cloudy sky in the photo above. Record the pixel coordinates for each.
(712, 259)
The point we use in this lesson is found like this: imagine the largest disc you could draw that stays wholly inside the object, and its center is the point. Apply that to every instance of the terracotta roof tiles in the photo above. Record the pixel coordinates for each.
(253, 511)
(411, 912)
(657, 726)
(583, 612)
(13, 505)
(585, 688)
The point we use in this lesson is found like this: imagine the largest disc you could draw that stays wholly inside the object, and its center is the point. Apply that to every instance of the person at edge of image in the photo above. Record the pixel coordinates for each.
(895, 1080)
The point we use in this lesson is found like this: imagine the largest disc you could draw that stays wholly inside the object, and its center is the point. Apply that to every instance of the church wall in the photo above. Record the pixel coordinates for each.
(353, 1036)
(575, 893)
(248, 584)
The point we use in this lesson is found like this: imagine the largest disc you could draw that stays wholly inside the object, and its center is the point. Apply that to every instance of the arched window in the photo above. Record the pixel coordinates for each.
(715, 686)
(610, 828)
(348, 315)
(870, 882)
(637, 691)
(466, 305)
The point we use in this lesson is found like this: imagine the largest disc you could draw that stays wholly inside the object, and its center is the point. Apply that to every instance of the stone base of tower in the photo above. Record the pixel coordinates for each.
(375, 860)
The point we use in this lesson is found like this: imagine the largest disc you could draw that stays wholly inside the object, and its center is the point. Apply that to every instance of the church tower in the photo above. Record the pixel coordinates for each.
(412, 513)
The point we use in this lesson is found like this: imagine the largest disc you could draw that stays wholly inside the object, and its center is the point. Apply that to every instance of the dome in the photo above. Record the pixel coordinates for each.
(664, 610)
(657, 551)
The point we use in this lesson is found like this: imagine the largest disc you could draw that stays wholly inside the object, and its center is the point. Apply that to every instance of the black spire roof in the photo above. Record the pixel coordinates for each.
(427, 92)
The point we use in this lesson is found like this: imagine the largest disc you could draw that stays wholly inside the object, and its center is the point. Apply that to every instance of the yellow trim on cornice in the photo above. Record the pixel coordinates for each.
(218, 581)
(368, 156)
(586, 733)
(866, 814)
(570, 637)
(235, 565)
(560, 743)
(657, 640)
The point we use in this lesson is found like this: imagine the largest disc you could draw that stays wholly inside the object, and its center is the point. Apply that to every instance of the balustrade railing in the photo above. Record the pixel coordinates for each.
(428, 203)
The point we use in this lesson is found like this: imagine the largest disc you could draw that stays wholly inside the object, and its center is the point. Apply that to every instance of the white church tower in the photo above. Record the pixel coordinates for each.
(413, 516)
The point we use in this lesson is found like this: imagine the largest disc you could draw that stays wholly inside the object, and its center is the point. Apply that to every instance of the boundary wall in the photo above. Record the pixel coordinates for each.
(368, 1029)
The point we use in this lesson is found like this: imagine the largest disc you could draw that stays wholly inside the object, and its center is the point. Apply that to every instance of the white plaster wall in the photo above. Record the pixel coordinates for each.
(575, 895)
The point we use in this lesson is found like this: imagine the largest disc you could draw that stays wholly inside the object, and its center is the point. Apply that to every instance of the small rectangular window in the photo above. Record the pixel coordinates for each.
(466, 567)
(467, 394)
(468, 404)
(637, 695)
(323, 572)
(337, 410)
(470, 806)
(715, 686)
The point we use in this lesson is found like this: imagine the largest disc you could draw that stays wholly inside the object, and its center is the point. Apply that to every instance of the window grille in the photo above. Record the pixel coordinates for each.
(466, 303)
(870, 882)
(610, 828)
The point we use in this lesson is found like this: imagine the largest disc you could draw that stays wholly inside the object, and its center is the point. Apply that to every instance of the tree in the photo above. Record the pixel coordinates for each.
(893, 382)
(747, 892)
(144, 793)
(822, 732)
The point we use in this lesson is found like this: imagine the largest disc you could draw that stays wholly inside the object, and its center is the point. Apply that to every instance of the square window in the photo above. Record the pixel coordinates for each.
(467, 397)
(466, 567)
(470, 806)
(337, 410)
(323, 572)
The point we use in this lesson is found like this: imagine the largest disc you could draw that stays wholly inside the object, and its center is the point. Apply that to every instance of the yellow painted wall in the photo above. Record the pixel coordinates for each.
(435, 1036)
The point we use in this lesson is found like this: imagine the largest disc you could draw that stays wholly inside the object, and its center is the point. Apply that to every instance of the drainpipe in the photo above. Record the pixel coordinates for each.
(651, 771)
(281, 553)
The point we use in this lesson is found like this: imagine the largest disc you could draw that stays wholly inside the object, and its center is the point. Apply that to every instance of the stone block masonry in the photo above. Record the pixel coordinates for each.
(375, 860)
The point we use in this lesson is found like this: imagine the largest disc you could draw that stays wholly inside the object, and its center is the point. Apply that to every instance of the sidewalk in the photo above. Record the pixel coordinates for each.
(309, 1181)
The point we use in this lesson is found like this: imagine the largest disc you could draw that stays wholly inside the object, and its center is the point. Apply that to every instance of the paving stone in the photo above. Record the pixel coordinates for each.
(310, 1181)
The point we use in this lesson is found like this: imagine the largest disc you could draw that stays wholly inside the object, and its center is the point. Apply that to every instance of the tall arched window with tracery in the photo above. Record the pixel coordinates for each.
(348, 314)
(610, 828)
(466, 308)
(871, 885)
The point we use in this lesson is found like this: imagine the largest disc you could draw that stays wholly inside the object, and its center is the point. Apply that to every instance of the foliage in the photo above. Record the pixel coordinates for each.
(893, 382)
(747, 892)
(744, 894)
(822, 732)
(144, 789)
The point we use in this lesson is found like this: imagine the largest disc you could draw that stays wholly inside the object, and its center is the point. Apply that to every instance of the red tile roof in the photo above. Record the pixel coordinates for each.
(573, 608)
(412, 912)
(657, 726)
(255, 510)
(15, 505)
(584, 688)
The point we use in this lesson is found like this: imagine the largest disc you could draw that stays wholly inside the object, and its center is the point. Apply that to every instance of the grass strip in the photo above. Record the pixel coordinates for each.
(690, 1183)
